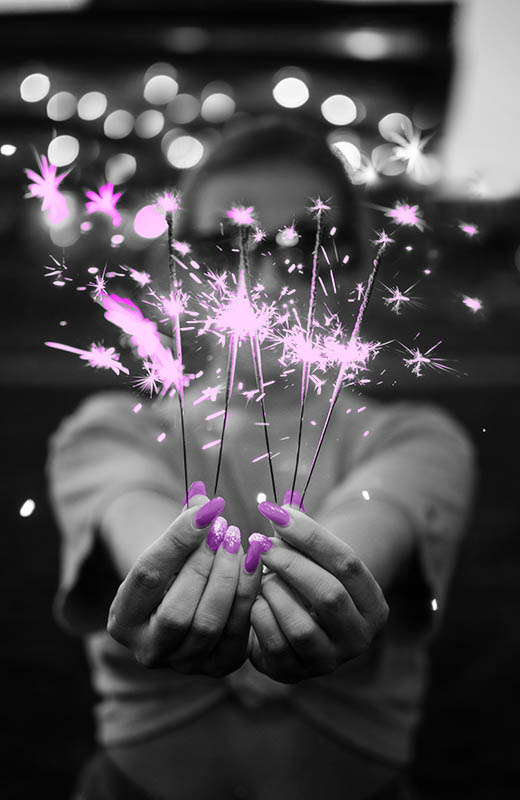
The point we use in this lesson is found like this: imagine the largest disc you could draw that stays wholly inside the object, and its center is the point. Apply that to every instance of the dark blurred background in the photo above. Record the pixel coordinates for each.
(136, 94)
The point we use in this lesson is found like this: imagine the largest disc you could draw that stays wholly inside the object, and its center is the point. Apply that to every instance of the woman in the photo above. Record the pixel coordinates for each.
(217, 679)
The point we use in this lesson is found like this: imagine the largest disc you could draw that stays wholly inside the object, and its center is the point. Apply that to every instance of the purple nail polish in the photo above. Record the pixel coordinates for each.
(232, 539)
(293, 498)
(207, 513)
(258, 543)
(197, 487)
(273, 512)
(216, 533)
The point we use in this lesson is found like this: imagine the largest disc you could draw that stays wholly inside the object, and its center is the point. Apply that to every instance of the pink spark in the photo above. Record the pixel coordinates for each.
(473, 303)
(104, 202)
(99, 286)
(289, 235)
(210, 393)
(145, 337)
(259, 235)
(405, 214)
(419, 361)
(45, 186)
(396, 298)
(182, 247)
(210, 444)
(97, 356)
(241, 215)
(469, 229)
(383, 239)
(140, 277)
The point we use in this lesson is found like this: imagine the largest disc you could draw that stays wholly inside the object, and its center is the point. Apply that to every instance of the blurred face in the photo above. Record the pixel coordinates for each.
(280, 193)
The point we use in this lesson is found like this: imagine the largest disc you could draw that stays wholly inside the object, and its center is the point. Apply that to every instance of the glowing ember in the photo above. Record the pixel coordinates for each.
(473, 303)
(469, 229)
(405, 214)
(169, 203)
(104, 202)
(45, 186)
(419, 361)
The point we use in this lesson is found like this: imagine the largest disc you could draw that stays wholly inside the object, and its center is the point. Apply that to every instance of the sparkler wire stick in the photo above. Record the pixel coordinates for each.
(230, 377)
(306, 364)
(382, 241)
(176, 337)
(255, 350)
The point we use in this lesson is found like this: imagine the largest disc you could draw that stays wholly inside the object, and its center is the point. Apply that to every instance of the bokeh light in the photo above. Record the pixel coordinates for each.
(160, 89)
(184, 152)
(395, 123)
(62, 150)
(61, 105)
(35, 87)
(349, 151)
(149, 124)
(338, 109)
(92, 105)
(7, 149)
(27, 508)
(367, 44)
(120, 168)
(183, 109)
(291, 92)
(149, 223)
(217, 107)
(118, 124)
(385, 163)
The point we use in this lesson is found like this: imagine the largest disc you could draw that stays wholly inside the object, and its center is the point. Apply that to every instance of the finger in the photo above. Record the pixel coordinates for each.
(174, 616)
(247, 591)
(274, 655)
(328, 597)
(327, 550)
(145, 585)
(197, 495)
(215, 604)
(303, 633)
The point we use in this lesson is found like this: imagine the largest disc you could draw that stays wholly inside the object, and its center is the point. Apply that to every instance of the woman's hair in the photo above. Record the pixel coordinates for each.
(274, 138)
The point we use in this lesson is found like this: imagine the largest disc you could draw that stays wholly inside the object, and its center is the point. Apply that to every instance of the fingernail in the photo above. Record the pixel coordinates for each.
(258, 543)
(273, 512)
(216, 533)
(232, 539)
(197, 487)
(293, 498)
(207, 513)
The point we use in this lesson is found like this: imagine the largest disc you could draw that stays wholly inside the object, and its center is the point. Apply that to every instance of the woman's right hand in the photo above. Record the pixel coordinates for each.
(185, 603)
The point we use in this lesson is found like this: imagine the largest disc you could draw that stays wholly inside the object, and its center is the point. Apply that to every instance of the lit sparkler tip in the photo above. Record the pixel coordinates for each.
(169, 202)
(405, 214)
(383, 239)
(45, 186)
(318, 206)
(259, 235)
(473, 303)
(240, 215)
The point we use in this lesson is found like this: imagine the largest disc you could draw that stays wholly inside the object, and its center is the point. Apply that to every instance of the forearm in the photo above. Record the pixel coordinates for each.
(132, 522)
(380, 534)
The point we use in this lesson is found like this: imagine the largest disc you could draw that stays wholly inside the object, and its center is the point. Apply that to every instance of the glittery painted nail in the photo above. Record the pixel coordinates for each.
(273, 512)
(232, 539)
(208, 512)
(258, 543)
(293, 498)
(197, 487)
(216, 533)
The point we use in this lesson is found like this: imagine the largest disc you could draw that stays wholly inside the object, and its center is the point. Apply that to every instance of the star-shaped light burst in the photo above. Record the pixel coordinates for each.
(419, 361)
(240, 215)
(140, 277)
(382, 239)
(473, 303)
(238, 316)
(45, 186)
(98, 356)
(318, 206)
(258, 236)
(409, 148)
(99, 285)
(145, 338)
(405, 214)
(396, 298)
(105, 202)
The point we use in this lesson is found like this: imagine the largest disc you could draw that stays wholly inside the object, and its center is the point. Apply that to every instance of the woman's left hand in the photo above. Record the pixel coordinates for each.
(319, 605)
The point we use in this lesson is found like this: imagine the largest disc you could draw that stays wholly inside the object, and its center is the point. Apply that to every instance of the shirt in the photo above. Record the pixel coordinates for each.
(414, 457)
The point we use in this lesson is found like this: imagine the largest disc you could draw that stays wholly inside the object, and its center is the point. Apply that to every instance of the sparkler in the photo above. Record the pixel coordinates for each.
(318, 207)
(249, 321)
(45, 186)
(355, 354)
(169, 204)
(105, 202)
